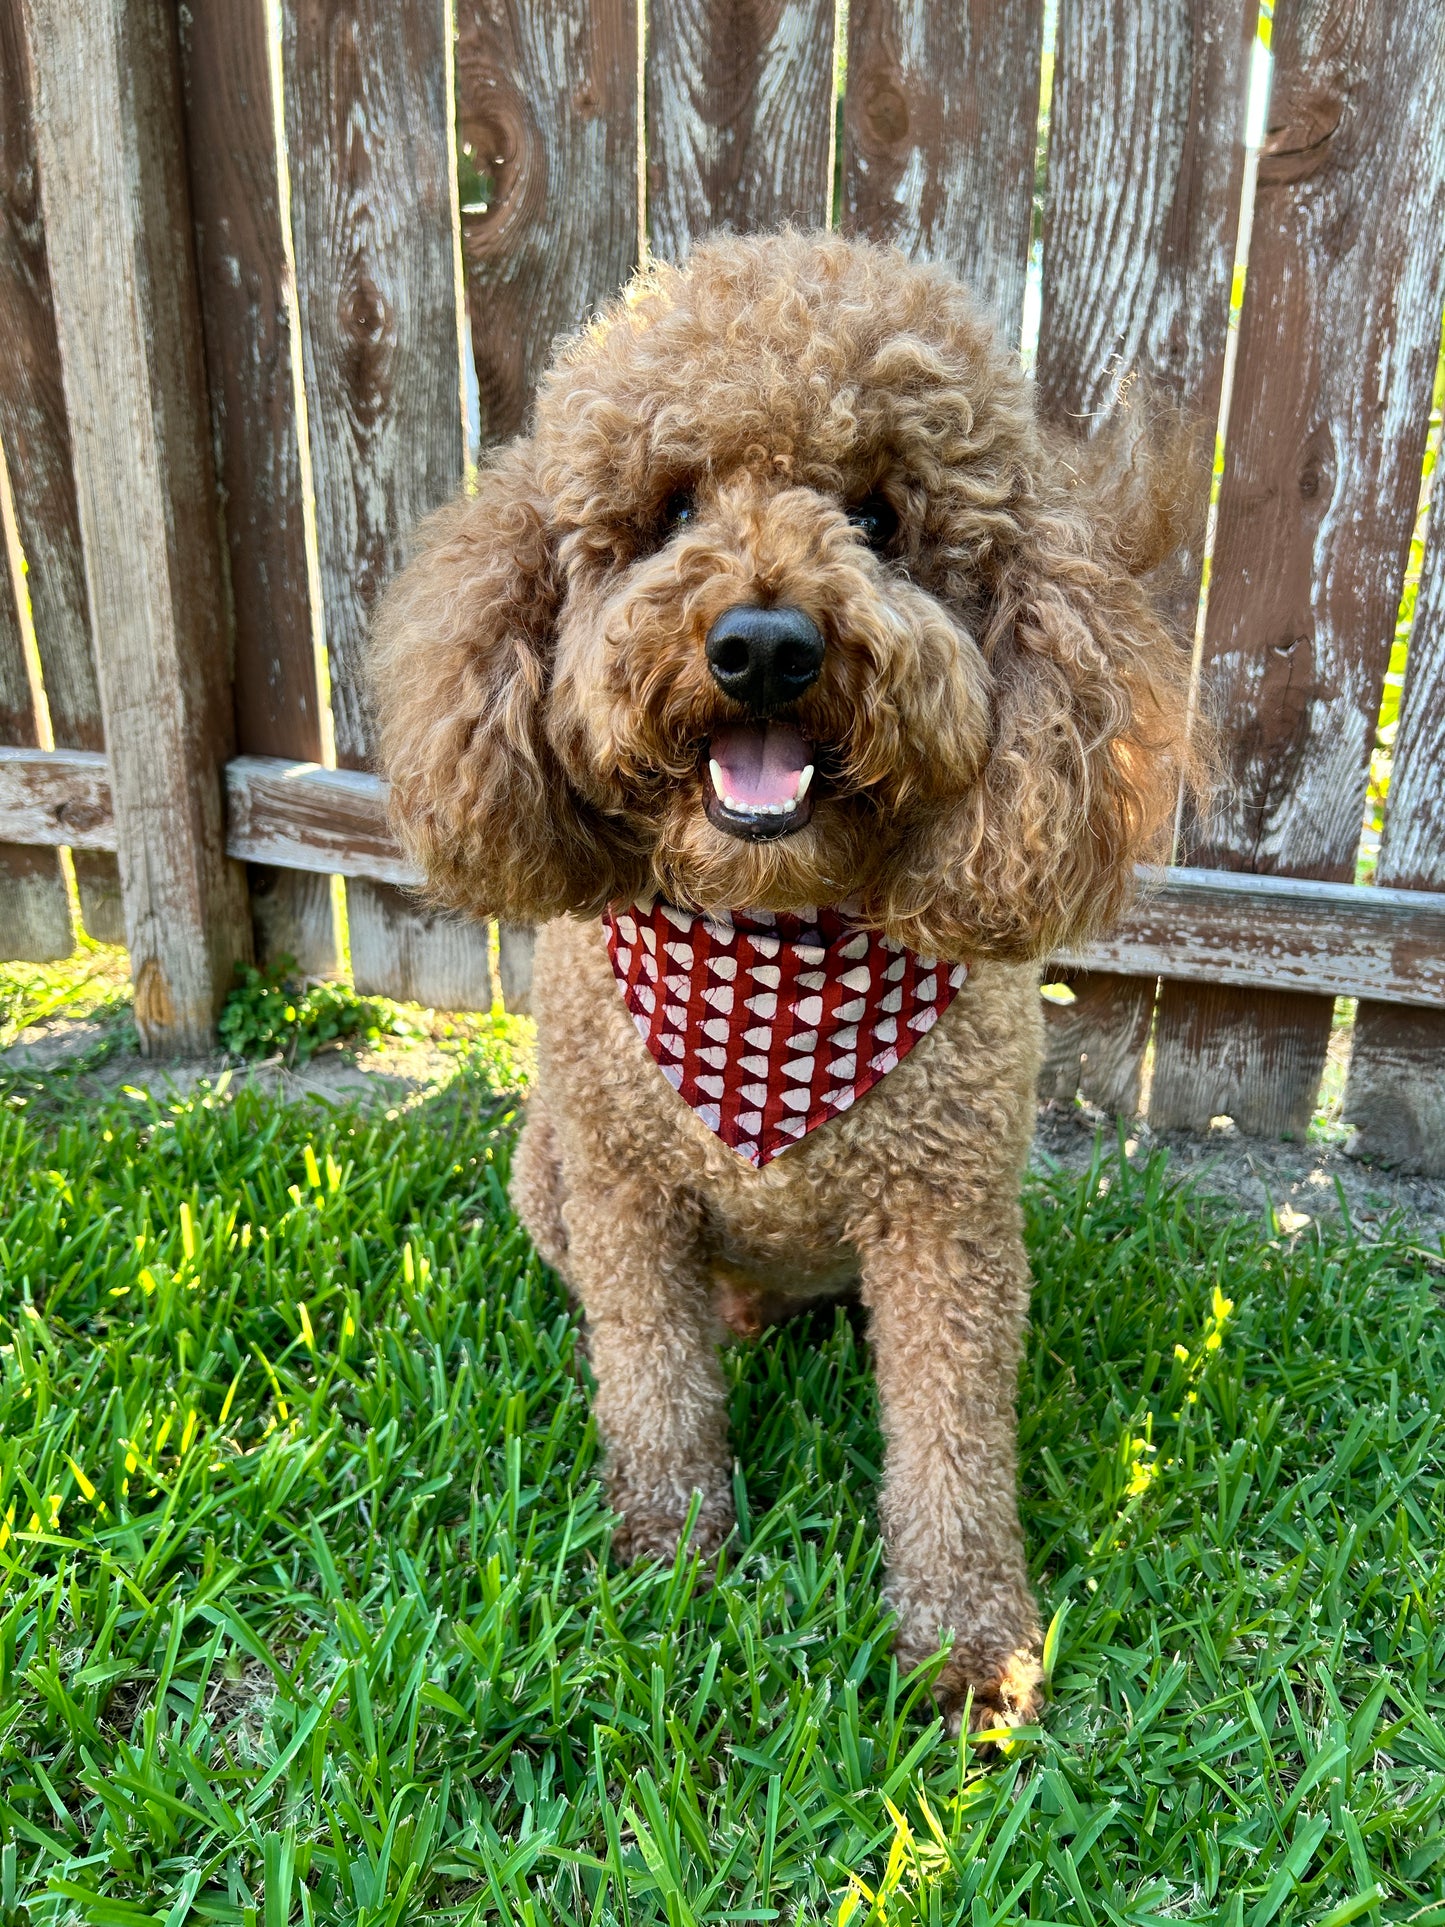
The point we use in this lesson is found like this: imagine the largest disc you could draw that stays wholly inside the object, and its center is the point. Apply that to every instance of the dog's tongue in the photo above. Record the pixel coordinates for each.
(761, 762)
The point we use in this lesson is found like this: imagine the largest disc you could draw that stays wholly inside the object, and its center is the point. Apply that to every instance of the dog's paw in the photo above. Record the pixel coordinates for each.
(1007, 1690)
(650, 1529)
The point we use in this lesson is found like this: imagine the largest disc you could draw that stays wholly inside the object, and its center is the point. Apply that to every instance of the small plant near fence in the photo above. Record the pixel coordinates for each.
(270, 1013)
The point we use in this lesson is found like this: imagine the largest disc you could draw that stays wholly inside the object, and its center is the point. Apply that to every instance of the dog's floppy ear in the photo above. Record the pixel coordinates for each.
(1089, 746)
(460, 661)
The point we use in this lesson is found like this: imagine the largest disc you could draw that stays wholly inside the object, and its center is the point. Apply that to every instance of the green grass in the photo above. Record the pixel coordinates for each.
(306, 1610)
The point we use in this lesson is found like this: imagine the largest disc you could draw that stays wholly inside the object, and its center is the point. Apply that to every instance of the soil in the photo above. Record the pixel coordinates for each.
(1299, 1183)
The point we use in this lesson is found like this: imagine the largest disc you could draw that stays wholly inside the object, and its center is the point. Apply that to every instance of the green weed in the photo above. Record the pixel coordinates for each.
(271, 1014)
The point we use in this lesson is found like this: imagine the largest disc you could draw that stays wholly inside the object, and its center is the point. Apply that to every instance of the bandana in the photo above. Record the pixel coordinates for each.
(768, 1025)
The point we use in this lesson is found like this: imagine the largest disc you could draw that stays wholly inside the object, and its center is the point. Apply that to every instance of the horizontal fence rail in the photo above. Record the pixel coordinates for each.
(1204, 926)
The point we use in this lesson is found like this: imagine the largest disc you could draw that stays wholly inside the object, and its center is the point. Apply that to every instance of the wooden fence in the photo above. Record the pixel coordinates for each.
(232, 376)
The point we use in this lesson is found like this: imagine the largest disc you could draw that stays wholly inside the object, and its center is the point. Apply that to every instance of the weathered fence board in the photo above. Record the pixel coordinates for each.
(35, 923)
(1339, 337)
(547, 116)
(369, 104)
(1211, 926)
(1395, 1098)
(739, 117)
(108, 82)
(939, 133)
(36, 438)
(1138, 262)
(246, 295)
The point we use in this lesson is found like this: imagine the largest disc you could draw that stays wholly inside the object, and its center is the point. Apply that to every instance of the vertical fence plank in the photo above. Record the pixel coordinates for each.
(1146, 159)
(1338, 343)
(368, 95)
(1395, 1098)
(244, 275)
(36, 437)
(35, 924)
(739, 117)
(547, 113)
(547, 117)
(108, 82)
(939, 132)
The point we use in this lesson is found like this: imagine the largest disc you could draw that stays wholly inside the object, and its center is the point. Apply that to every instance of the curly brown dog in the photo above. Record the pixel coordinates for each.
(791, 637)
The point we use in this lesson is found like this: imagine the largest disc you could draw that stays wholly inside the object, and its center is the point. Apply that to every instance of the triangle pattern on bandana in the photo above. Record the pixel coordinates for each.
(768, 1025)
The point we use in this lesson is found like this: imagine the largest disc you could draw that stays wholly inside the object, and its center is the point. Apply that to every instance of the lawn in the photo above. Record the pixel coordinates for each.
(307, 1613)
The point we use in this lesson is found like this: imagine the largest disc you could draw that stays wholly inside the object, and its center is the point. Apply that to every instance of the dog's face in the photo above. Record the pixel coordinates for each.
(784, 603)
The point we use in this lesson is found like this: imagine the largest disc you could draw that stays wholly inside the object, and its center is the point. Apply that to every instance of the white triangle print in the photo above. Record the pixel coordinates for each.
(679, 919)
(765, 946)
(797, 1100)
(755, 1066)
(805, 1040)
(839, 1099)
(808, 1010)
(715, 1057)
(858, 979)
(812, 979)
(792, 1126)
(893, 1001)
(644, 996)
(680, 954)
(649, 936)
(765, 1004)
(958, 976)
(626, 929)
(671, 1043)
(885, 1061)
(844, 1039)
(754, 1094)
(800, 1070)
(710, 1115)
(649, 966)
(623, 959)
(856, 948)
(844, 1068)
(810, 953)
(886, 1030)
(724, 967)
(676, 1016)
(720, 996)
(717, 1029)
(750, 1121)
(712, 1086)
(768, 974)
(895, 970)
(926, 989)
(644, 1025)
(673, 1074)
(760, 1037)
(923, 1020)
(850, 1013)
(678, 987)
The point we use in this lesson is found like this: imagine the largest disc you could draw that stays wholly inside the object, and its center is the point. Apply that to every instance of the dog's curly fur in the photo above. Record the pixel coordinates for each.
(1000, 722)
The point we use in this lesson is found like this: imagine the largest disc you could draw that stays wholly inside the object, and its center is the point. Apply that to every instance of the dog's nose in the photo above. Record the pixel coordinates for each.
(764, 658)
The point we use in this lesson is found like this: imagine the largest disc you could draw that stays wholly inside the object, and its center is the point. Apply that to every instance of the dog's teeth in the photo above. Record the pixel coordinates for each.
(714, 770)
(803, 781)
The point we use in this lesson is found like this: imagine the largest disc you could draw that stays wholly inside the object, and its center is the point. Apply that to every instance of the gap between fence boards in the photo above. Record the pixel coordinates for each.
(1209, 926)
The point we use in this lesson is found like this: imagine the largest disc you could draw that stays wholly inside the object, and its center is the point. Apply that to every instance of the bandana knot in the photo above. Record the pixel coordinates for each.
(767, 1025)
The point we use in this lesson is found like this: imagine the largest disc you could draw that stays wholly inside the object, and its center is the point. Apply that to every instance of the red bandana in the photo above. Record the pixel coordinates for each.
(769, 1025)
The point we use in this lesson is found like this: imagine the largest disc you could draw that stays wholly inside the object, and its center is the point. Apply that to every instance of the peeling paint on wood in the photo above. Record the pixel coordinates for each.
(108, 81)
(547, 103)
(1338, 344)
(739, 117)
(245, 282)
(36, 440)
(368, 131)
(939, 131)
(1395, 1098)
(1146, 161)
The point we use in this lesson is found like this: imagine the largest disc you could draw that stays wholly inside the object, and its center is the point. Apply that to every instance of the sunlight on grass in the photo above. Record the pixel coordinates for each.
(306, 1610)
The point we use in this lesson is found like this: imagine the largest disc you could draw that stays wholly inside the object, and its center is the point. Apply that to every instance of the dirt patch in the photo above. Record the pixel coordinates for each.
(1300, 1183)
(1254, 1176)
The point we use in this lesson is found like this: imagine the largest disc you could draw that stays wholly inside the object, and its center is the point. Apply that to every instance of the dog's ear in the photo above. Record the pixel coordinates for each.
(460, 663)
(1089, 746)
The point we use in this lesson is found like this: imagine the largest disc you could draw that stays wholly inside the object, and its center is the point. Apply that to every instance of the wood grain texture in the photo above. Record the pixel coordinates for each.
(939, 131)
(108, 81)
(35, 922)
(303, 817)
(50, 797)
(516, 946)
(1395, 1098)
(1339, 337)
(1094, 1047)
(547, 104)
(739, 117)
(36, 439)
(1255, 1056)
(1146, 160)
(368, 130)
(245, 278)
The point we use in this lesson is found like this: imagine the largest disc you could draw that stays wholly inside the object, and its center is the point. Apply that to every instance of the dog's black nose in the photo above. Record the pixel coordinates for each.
(764, 658)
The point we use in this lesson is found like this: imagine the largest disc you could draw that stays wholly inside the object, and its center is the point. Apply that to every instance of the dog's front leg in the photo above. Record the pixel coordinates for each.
(652, 1341)
(946, 1324)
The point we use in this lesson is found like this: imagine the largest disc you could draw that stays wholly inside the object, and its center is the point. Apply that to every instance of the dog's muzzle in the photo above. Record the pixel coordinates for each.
(760, 772)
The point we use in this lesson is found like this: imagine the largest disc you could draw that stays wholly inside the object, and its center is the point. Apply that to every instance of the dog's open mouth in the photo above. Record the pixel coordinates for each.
(759, 780)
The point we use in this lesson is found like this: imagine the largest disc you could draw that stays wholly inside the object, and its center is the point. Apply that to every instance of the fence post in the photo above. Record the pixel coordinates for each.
(122, 271)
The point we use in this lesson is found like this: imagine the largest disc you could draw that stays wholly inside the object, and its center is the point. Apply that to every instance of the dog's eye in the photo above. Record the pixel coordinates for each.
(678, 510)
(876, 520)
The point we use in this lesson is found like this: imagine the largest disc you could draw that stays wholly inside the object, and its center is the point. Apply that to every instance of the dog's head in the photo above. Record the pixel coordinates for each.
(788, 600)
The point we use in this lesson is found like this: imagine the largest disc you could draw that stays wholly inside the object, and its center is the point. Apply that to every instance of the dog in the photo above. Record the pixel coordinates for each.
(805, 689)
